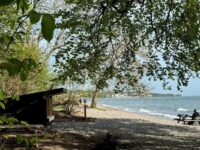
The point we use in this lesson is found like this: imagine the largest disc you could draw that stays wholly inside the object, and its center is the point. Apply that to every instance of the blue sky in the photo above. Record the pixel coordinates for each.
(193, 88)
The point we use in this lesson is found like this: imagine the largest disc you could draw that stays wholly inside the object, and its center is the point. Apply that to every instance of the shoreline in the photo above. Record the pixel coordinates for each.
(139, 113)
(103, 112)
(153, 107)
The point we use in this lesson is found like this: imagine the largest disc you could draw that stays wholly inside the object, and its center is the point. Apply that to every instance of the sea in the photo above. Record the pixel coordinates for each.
(168, 107)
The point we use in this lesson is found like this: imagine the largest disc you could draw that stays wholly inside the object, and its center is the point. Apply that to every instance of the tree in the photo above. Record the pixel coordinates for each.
(99, 69)
(46, 19)
(24, 11)
(166, 31)
(20, 52)
(37, 80)
(13, 52)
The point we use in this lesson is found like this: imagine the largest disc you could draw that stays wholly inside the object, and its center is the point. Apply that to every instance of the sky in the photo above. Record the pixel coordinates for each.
(193, 88)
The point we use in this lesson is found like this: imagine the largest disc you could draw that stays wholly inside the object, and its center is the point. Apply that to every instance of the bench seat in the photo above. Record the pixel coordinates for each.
(191, 120)
(187, 120)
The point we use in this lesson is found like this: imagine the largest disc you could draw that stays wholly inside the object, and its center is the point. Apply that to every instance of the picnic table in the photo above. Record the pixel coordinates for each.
(186, 119)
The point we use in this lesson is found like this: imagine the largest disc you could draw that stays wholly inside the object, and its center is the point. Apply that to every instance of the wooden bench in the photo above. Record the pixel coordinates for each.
(187, 120)
(191, 121)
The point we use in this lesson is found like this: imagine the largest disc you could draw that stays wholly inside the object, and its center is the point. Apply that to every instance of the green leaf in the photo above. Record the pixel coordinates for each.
(14, 66)
(5, 2)
(18, 4)
(32, 63)
(15, 98)
(13, 60)
(27, 142)
(13, 69)
(4, 66)
(19, 139)
(24, 123)
(22, 4)
(29, 64)
(2, 105)
(2, 96)
(34, 17)
(48, 26)
(23, 75)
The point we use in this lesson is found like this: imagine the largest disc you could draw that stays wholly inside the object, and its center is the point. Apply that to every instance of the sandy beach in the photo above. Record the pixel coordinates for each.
(131, 130)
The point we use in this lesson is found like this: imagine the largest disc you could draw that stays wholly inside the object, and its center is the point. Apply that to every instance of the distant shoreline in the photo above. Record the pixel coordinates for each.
(165, 95)
(121, 95)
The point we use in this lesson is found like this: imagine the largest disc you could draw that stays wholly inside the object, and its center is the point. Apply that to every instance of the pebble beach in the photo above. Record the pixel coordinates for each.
(132, 130)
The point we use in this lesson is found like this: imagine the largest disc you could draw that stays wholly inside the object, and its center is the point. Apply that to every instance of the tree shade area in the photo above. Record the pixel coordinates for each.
(106, 43)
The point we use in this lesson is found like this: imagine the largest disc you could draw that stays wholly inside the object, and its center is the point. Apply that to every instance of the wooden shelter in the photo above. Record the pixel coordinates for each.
(34, 108)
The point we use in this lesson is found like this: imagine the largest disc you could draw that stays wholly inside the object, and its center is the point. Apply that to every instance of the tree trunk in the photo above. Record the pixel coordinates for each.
(94, 101)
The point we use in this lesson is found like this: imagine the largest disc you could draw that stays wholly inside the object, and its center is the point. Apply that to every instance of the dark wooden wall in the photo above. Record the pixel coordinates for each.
(33, 108)
(30, 109)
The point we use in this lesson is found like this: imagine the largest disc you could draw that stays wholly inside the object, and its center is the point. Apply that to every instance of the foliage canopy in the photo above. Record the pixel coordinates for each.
(131, 39)
(125, 39)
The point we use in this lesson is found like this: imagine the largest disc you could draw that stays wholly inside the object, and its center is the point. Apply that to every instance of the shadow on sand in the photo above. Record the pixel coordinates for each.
(126, 134)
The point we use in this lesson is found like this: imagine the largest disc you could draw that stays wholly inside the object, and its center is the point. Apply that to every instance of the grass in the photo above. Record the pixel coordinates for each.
(59, 108)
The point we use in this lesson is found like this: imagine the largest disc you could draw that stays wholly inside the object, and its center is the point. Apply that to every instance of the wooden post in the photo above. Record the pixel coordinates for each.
(49, 107)
(85, 107)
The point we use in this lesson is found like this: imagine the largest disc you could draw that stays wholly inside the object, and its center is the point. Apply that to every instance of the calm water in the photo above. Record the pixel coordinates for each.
(160, 106)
